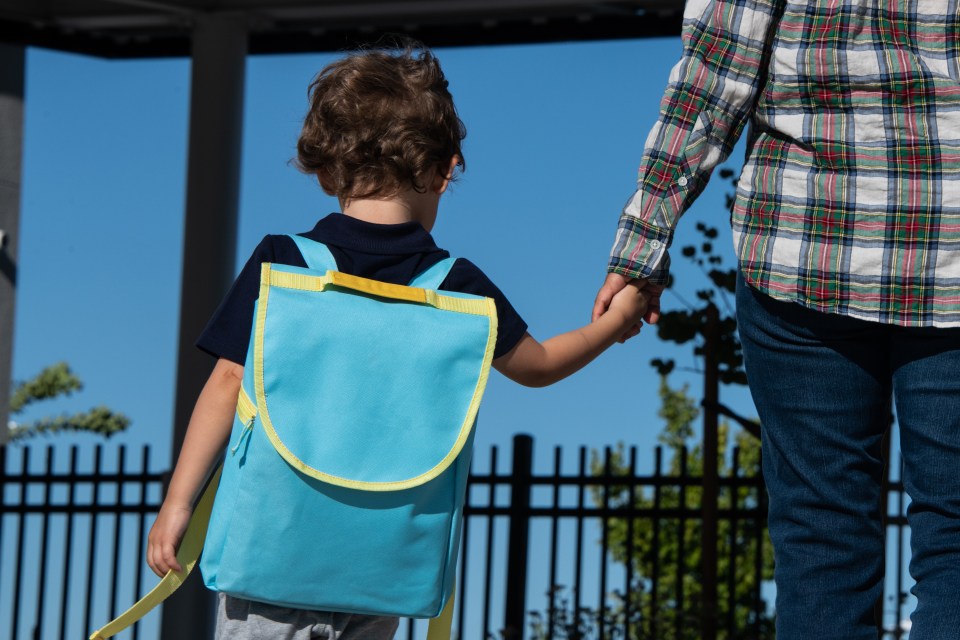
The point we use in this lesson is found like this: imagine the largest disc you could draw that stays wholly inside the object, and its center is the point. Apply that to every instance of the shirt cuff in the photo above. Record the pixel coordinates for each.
(640, 251)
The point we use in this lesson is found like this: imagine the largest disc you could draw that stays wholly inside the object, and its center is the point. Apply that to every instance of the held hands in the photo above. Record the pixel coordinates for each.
(165, 537)
(624, 295)
(629, 304)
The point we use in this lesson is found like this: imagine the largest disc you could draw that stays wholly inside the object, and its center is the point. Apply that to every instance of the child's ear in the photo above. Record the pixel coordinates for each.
(444, 174)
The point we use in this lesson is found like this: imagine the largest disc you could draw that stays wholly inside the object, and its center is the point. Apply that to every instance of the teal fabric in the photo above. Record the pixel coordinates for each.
(367, 390)
(433, 277)
(315, 254)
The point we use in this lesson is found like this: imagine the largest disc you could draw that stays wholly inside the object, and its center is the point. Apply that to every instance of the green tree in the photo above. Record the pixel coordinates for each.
(670, 549)
(708, 324)
(665, 554)
(55, 381)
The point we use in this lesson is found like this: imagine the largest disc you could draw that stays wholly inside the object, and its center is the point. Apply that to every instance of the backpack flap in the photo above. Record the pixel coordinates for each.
(419, 362)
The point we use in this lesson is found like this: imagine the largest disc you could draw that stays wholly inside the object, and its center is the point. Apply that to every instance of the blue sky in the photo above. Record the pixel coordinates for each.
(555, 133)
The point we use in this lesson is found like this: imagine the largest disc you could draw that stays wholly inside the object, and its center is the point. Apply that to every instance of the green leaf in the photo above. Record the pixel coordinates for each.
(99, 420)
(663, 367)
(724, 279)
(55, 380)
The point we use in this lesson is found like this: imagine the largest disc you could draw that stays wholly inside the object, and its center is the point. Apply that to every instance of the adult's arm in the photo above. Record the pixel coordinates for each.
(709, 98)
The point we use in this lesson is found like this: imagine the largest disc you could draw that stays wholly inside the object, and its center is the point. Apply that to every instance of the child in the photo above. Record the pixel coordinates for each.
(383, 135)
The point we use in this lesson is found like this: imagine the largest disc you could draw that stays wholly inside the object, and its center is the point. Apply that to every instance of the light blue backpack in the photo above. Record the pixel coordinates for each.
(344, 483)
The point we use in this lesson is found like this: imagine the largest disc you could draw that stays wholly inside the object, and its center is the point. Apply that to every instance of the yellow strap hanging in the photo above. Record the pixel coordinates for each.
(440, 626)
(187, 556)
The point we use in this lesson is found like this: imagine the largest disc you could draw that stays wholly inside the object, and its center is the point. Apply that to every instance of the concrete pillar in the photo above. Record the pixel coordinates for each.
(210, 238)
(12, 63)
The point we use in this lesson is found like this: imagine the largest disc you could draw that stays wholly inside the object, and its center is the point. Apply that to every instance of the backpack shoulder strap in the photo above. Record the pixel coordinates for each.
(318, 258)
(433, 277)
(315, 254)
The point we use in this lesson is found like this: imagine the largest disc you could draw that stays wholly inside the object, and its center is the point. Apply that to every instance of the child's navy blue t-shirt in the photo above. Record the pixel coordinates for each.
(393, 253)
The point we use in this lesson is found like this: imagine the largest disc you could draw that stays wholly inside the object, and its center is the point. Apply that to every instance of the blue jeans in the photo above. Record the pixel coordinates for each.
(823, 385)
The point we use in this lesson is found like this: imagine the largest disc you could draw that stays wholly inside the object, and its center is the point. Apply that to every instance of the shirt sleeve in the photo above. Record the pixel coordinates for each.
(227, 334)
(709, 97)
(466, 277)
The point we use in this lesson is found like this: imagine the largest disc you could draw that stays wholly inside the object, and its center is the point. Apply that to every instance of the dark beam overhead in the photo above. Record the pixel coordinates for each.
(156, 28)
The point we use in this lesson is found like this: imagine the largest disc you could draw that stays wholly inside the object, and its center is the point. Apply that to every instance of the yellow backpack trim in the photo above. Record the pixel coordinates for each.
(305, 282)
(246, 410)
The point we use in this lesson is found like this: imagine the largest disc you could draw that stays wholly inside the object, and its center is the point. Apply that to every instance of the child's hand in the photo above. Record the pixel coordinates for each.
(165, 537)
(630, 303)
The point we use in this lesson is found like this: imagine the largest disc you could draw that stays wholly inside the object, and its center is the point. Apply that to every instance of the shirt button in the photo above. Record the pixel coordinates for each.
(682, 181)
(655, 244)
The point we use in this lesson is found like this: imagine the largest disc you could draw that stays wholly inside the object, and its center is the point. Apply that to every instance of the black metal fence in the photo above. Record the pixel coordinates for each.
(586, 548)
(71, 539)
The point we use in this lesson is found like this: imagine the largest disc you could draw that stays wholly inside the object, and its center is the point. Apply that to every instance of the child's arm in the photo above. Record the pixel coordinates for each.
(537, 365)
(205, 440)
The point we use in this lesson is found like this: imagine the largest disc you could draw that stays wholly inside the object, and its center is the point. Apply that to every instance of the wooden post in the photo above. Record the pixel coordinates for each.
(12, 61)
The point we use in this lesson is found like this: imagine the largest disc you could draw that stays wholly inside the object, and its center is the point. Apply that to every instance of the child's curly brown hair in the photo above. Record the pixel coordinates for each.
(380, 121)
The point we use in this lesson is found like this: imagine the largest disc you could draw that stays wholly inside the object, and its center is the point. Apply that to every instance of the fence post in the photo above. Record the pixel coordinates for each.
(519, 538)
(710, 492)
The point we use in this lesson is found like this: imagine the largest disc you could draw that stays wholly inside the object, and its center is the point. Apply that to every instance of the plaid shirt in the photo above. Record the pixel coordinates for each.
(849, 201)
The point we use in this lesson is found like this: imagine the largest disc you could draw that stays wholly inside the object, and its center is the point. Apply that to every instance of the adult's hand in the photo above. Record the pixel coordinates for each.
(613, 284)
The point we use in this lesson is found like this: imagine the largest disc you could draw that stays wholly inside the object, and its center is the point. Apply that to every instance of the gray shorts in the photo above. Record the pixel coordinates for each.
(239, 619)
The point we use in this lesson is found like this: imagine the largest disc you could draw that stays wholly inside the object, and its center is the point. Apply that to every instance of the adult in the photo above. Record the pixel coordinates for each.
(847, 230)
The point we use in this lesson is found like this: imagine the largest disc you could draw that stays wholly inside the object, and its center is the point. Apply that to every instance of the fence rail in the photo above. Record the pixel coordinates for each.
(71, 538)
(593, 550)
